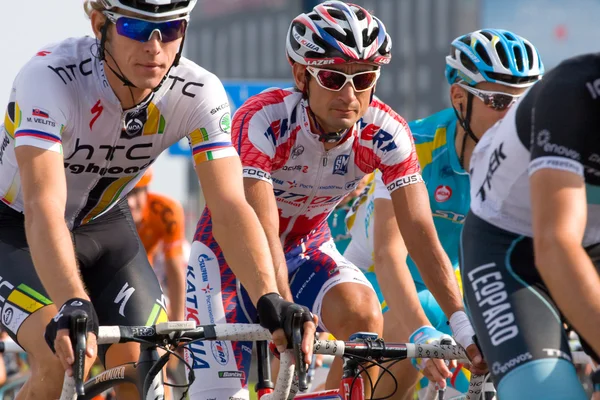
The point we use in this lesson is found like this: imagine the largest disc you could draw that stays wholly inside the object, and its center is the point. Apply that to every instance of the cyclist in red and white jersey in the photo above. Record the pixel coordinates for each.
(303, 150)
(86, 117)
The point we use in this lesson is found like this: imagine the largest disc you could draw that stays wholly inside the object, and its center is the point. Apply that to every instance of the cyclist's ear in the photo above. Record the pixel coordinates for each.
(98, 20)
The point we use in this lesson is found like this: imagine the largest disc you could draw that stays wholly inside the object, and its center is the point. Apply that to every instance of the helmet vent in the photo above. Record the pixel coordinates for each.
(337, 14)
(519, 58)
(529, 55)
(502, 55)
(360, 14)
(480, 50)
(466, 61)
(488, 35)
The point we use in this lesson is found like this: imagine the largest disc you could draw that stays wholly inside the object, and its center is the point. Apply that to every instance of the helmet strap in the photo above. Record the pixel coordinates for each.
(465, 124)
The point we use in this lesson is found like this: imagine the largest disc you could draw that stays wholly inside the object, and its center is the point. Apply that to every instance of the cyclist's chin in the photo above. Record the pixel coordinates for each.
(147, 82)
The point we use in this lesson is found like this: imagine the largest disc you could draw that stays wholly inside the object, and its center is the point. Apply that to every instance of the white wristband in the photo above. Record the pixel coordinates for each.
(462, 329)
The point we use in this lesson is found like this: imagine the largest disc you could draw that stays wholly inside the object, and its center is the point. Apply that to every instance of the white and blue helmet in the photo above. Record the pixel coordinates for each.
(493, 55)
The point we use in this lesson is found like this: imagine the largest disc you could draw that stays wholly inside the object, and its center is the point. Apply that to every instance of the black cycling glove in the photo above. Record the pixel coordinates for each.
(62, 320)
(274, 313)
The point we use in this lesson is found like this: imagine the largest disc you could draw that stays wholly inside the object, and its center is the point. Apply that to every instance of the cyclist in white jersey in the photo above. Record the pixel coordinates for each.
(85, 118)
(530, 245)
(303, 150)
(487, 71)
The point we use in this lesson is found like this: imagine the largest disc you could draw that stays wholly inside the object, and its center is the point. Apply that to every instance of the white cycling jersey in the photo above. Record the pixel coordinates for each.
(61, 101)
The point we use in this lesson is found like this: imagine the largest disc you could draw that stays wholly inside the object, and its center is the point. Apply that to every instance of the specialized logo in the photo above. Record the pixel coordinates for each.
(123, 297)
(220, 351)
(442, 193)
(340, 165)
(96, 110)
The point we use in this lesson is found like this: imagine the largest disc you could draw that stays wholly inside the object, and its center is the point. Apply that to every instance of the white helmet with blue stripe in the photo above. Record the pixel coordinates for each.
(493, 55)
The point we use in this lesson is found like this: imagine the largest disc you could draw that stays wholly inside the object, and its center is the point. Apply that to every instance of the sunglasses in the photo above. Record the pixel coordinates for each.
(336, 80)
(498, 101)
(142, 30)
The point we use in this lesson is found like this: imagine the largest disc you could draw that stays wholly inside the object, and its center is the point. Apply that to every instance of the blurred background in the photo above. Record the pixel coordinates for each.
(242, 41)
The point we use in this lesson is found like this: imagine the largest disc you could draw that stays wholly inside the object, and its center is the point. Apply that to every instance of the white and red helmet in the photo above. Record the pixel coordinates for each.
(335, 32)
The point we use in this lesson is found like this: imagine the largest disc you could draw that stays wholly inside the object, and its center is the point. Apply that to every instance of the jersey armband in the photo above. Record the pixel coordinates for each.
(553, 162)
(255, 173)
(404, 181)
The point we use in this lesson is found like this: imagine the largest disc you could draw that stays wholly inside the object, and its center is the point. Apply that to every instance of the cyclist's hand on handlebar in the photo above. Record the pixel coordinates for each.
(464, 334)
(57, 332)
(435, 370)
(276, 314)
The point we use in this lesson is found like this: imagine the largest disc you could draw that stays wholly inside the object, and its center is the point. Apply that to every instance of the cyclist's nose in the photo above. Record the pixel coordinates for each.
(347, 93)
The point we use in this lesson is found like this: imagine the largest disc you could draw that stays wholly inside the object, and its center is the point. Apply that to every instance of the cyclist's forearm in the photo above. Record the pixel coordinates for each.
(53, 253)
(237, 230)
(574, 284)
(175, 268)
(260, 196)
(436, 270)
(398, 289)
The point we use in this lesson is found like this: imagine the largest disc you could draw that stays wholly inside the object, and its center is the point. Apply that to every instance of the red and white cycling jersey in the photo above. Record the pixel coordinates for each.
(271, 132)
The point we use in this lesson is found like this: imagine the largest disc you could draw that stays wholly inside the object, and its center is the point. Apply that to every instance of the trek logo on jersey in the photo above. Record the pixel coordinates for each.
(340, 165)
(496, 159)
(220, 351)
(442, 193)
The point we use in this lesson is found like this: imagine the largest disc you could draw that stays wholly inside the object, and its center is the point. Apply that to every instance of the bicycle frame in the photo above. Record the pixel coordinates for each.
(136, 374)
(351, 386)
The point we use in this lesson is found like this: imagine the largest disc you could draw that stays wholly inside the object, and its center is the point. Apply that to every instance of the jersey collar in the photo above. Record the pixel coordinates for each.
(451, 145)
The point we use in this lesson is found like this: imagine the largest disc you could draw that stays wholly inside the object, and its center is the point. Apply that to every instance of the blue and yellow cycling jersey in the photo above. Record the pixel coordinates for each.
(447, 184)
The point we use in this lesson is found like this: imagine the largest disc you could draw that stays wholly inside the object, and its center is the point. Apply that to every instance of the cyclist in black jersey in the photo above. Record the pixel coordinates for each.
(530, 244)
(86, 117)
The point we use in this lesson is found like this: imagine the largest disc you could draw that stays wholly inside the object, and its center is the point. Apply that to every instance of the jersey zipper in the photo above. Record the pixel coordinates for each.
(314, 191)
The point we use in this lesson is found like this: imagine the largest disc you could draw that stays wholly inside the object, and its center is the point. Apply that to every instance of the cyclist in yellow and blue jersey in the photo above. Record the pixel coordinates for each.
(488, 70)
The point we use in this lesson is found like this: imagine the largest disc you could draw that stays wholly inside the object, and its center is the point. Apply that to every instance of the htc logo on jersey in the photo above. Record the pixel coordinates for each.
(72, 68)
(132, 153)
